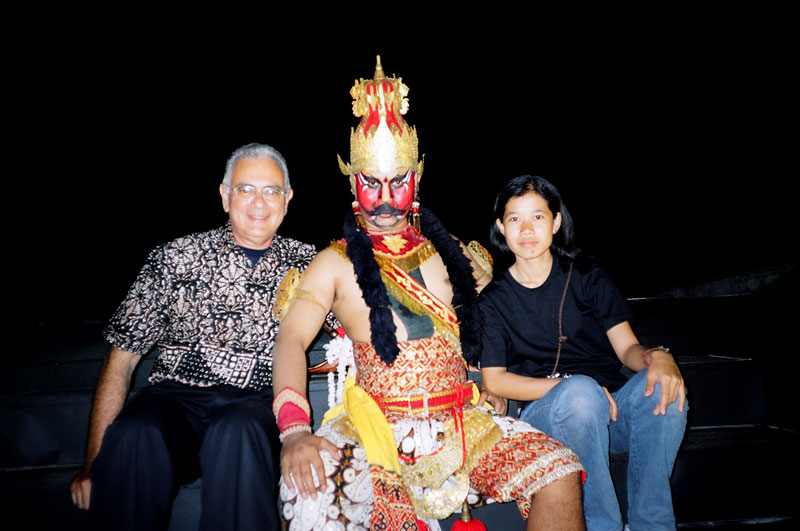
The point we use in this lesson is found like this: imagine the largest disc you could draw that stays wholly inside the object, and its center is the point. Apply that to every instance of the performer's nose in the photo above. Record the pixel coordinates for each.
(386, 193)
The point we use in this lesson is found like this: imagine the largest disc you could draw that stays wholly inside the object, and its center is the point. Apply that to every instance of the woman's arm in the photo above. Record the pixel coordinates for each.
(500, 382)
(660, 365)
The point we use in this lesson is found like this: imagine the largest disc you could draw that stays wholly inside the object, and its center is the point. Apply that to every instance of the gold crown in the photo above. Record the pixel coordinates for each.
(383, 141)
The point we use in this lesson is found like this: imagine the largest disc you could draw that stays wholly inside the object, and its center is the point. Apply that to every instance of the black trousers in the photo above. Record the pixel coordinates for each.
(169, 434)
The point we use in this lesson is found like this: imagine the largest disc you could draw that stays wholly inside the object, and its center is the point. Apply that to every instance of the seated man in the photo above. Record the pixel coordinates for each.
(408, 446)
(206, 301)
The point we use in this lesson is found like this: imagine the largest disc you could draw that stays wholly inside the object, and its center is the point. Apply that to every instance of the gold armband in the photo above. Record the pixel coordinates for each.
(307, 295)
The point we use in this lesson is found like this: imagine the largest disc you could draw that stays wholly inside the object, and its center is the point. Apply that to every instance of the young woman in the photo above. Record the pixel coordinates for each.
(556, 334)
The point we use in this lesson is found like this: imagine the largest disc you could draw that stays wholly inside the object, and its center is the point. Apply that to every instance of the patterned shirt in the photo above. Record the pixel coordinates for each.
(208, 309)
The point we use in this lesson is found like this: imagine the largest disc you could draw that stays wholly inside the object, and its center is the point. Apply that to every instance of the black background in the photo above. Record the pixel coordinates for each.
(668, 135)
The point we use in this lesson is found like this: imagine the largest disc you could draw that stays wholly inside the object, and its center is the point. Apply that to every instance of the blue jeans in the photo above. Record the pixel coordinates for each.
(576, 413)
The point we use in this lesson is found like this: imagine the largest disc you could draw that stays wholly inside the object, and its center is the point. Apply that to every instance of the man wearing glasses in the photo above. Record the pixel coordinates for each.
(206, 300)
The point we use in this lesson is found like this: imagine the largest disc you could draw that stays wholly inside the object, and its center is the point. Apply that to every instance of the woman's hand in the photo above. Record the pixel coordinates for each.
(664, 371)
(499, 403)
(613, 409)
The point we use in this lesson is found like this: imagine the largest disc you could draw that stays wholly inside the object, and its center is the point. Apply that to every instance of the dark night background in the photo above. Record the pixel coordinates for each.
(670, 131)
(668, 141)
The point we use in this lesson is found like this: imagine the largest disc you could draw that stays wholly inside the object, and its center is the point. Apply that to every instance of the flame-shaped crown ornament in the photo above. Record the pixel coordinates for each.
(383, 141)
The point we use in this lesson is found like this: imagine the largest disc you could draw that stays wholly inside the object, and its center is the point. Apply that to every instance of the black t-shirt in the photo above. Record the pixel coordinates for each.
(521, 324)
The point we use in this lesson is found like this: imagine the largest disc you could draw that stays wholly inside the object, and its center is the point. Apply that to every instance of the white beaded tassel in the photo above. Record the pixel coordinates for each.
(339, 352)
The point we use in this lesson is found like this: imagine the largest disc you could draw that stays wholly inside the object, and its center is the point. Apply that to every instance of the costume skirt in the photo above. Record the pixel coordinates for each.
(506, 459)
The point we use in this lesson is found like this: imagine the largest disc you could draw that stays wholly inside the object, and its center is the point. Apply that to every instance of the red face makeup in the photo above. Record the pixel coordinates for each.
(385, 194)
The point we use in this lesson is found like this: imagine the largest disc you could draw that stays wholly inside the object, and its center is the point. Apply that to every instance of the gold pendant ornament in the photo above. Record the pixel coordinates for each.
(394, 242)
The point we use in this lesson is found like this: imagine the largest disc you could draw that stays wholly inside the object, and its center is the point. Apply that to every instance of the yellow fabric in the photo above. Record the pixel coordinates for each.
(476, 395)
(373, 429)
(371, 425)
(338, 409)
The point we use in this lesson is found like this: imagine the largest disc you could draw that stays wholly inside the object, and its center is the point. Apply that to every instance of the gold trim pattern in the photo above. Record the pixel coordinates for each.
(419, 300)
(383, 139)
(394, 242)
(481, 256)
(340, 248)
(412, 259)
(287, 290)
(431, 472)
(481, 433)
(289, 395)
(439, 503)
(307, 295)
(427, 363)
(401, 286)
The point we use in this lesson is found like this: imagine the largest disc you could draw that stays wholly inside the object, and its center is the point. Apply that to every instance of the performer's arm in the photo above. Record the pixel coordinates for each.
(298, 329)
(112, 390)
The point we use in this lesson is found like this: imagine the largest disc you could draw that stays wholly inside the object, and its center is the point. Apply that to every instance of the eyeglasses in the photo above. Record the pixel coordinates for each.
(247, 192)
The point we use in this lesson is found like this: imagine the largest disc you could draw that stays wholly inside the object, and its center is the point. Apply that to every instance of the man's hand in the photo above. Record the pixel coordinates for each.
(112, 390)
(81, 489)
(301, 464)
(663, 370)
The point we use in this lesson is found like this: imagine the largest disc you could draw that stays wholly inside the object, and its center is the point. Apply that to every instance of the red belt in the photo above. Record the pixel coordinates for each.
(419, 403)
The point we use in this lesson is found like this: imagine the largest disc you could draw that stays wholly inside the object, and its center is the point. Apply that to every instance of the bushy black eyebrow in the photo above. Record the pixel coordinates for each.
(398, 176)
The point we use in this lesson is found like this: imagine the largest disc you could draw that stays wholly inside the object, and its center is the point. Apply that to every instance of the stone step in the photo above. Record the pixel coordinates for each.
(723, 474)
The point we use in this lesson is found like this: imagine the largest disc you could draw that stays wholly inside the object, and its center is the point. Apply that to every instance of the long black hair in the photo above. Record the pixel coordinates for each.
(563, 241)
(368, 277)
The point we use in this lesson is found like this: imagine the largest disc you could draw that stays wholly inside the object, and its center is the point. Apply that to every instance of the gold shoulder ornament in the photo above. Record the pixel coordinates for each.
(287, 291)
(481, 256)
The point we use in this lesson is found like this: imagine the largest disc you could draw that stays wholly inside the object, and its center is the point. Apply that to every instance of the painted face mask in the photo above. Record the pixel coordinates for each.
(373, 191)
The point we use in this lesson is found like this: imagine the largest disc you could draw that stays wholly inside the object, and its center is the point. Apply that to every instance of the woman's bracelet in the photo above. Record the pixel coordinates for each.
(647, 351)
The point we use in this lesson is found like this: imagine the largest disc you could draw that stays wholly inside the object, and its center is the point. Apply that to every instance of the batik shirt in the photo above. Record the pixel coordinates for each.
(208, 309)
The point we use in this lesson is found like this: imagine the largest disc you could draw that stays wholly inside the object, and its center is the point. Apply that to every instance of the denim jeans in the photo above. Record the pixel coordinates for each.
(576, 413)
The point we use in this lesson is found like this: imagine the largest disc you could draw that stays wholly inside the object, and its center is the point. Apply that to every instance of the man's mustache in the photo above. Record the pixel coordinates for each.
(385, 208)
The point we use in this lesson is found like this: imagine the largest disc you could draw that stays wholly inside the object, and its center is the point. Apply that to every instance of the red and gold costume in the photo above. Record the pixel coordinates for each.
(412, 444)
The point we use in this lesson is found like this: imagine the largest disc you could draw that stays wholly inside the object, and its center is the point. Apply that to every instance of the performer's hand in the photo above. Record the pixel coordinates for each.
(300, 463)
(613, 408)
(81, 489)
(663, 370)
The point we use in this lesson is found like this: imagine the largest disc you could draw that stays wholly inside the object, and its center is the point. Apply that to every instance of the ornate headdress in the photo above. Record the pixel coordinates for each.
(383, 140)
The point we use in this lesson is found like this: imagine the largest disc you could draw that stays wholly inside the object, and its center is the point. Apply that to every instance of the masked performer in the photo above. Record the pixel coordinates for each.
(407, 446)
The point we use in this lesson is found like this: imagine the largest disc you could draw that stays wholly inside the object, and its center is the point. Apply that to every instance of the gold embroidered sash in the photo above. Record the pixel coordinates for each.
(414, 295)
(419, 300)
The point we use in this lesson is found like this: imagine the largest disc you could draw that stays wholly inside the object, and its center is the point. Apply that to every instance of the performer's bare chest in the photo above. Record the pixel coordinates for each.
(352, 311)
